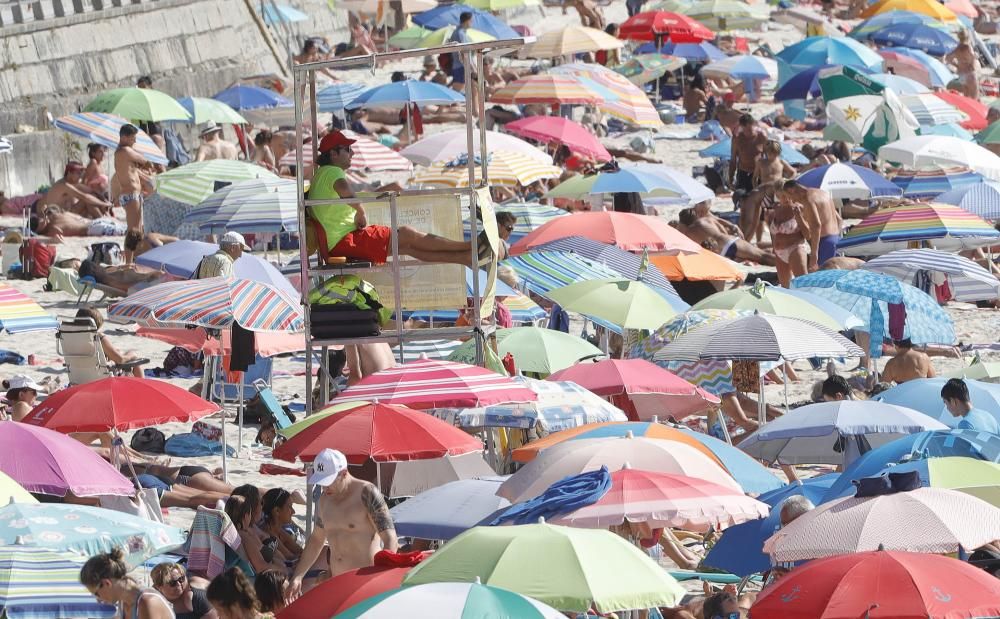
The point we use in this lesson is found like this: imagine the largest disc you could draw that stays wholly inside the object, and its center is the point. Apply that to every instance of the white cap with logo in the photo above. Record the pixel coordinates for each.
(326, 466)
(233, 238)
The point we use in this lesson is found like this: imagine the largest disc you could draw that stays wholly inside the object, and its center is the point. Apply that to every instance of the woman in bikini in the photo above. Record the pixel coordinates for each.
(106, 577)
(789, 233)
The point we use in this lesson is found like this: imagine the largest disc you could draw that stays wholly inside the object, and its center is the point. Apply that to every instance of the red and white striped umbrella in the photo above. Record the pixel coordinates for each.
(665, 500)
(367, 154)
(437, 384)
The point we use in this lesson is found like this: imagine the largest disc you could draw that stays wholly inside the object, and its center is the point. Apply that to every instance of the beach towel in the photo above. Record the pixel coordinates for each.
(9, 356)
(211, 533)
(191, 445)
(566, 495)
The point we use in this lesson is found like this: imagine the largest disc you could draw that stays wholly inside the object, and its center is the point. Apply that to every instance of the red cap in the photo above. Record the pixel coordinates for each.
(333, 140)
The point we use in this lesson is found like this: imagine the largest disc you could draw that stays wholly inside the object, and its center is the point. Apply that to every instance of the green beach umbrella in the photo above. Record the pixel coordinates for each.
(727, 14)
(138, 104)
(451, 600)
(671, 6)
(205, 110)
(843, 81)
(409, 38)
(319, 415)
(467, 354)
(768, 300)
(193, 182)
(648, 67)
(980, 478)
(979, 370)
(989, 135)
(566, 568)
(536, 349)
(441, 35)
(626, 303)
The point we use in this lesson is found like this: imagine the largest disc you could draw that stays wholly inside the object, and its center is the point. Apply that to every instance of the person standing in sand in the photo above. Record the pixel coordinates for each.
(824, 220)
(747, 146)
(350, 514)
(131, 172)
(213, 146)
(966, 64)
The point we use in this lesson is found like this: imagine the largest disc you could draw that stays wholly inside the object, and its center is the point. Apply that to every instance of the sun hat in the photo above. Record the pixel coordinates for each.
(326, 466)
(233, 238)
(210, 127)
(22, 381)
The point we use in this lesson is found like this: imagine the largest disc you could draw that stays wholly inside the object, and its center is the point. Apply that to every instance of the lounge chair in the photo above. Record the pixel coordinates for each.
(83, 287)
(78, 342)
(281, 419)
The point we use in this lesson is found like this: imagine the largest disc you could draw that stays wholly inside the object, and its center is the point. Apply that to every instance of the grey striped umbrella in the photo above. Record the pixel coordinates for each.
(759, 337)
(968, 280)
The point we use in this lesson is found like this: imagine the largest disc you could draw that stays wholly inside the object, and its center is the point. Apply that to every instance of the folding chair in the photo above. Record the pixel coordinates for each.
(78, 342)
(260, 370)
(281, 419)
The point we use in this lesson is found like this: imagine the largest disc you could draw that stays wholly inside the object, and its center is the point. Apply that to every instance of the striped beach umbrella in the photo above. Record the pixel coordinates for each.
(559, 130)
(203, 110)
(628, 231)
(619, 97)
(336, 97)
(931, 110)
(213, 303)
(256, 205)
(437, 384)
(933, 181)
(426, 349)
(371, 156)
(530, 216)
(36, 583)
(441, 36)
(968, 281)
(846, 181)
(543, 271)
(546, 88)
(504, 168)
(936, 150)
(138, 104)
(448, 145)
(194, 182)
(103, 129)
(569, 41)
(20, 314)
(982, 199)
(945, 226)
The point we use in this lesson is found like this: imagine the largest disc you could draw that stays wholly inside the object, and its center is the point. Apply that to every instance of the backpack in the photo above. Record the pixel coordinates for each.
(149, 440)
(106, 252)
(176, 152)
(36, 259)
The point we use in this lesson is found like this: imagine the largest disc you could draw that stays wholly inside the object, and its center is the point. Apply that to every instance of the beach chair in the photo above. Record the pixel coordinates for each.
(83, 288)
(260, 370)
(78, 342)
(281, 418)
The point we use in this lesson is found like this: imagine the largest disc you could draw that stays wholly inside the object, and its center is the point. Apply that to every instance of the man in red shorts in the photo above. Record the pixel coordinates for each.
(346, 229)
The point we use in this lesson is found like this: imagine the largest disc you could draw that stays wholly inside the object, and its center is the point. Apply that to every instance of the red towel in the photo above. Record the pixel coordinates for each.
(387, 558)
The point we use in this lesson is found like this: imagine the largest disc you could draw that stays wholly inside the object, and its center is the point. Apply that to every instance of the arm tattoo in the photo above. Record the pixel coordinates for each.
(377, 510)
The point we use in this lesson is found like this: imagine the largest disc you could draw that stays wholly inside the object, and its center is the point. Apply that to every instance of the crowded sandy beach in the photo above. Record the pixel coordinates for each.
(716, 337)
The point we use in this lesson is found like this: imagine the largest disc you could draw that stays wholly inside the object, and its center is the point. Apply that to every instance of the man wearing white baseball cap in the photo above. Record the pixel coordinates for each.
(351, 515)
(220, 264)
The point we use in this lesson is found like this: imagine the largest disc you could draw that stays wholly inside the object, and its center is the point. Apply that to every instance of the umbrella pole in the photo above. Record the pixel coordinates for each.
(784, 374)
(239, 414)
(761, 405)
(225, 449)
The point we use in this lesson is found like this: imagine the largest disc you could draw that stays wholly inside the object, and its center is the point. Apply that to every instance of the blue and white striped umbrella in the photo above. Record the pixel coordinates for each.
(36, 583)
(933, 182)
(952, 130)
(931, 110)
(426, 349)
(901, 85)
(847, 181)
(981, 199)
(336, 97)
(256, 205)
(530, 215)
(867, 295)
(968, 280)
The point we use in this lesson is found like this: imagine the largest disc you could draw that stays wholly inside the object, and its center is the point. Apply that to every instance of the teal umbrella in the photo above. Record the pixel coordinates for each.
(648, 67)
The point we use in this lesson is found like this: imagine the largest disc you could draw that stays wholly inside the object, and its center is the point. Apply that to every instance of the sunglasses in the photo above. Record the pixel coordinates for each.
(176, 581)
(509, 228)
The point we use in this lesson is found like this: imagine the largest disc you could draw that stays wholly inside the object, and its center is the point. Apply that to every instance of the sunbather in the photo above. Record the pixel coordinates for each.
(112, 353)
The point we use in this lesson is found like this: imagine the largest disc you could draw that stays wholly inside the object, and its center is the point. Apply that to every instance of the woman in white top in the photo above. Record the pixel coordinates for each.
(106, 577)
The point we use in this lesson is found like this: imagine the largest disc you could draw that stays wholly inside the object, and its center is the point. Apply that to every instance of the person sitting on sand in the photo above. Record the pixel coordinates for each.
(22, 395)
(113, 354)
(106, 578)
(694, 99)
(174, 584)
(94, 177)
(139, 243)
(907, 364)
(260, 556)
(71, 195)
(278, 509)
(232, 596)
(52, 221)
(720, 238)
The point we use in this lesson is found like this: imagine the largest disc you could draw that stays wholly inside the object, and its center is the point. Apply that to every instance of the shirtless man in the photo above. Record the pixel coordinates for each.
(771, 168)
(132, 171)
(590, 14)
(139, 243)
(727, 115)
(366, 359)
(752, 206)
(907, 364)
(747, 146)
(824, 220)
(966, 64)
(721, 237)
(56, 223)
(70, 194)
(350, 514)
(213, 146)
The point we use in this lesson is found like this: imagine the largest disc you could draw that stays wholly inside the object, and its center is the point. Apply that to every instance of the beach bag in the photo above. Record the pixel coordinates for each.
(106, 252)
(36, 259)
(348, 291)
(149, 440)
(207, 431)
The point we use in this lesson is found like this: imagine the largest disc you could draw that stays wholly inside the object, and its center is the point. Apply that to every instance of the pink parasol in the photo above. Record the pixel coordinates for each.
(560, 130)
(266, 344)
(906, 66)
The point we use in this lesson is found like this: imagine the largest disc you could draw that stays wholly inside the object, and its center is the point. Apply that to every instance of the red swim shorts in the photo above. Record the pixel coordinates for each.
(369, 243)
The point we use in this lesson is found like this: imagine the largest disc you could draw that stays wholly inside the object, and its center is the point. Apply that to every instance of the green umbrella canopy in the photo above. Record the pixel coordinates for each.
(211, 110)
(767, 300)
(441, 36)
(566, 568)
(989, 135)
(409, 38)
(332, 409)
(626, 303)
(535, 349)
(648, 67)
(138, 104)
(844, 81)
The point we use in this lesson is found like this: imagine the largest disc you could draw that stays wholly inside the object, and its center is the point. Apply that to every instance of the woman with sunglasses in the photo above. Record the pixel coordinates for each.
(106, 577)
(172, 582)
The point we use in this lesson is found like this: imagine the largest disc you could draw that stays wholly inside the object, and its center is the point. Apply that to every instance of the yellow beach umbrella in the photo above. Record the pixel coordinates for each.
(569, 41)
(504, 167)
(442, 35)
(932, 8)
(10, 490)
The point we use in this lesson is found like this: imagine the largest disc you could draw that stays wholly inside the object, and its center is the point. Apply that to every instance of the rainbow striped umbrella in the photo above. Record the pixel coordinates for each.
(949, 228)
(933, 181)
(36, 583)
(504, 168)
(194, 182)
(214, 303)
(103, 129)
(546, 89)
(255, 205)
(621, 98)
(19, 314)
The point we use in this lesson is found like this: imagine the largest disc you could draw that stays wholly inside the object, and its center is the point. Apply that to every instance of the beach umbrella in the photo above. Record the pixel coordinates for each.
(866, 294)
(483, 21)
(20, 314)
(881, 585)
(966, 279)
(542, 271)
(254, 205)
(975, 110)
(539, 350)
(569, 41)
(442, 36)
(837, 82)
(103, 129)
(930, 520)
(846, 181)
(504, 168)
(337, 97)
(138, 104)
(932, 181)
(949, 129)
(575, 457)
(978, 370)
(203, 110)
(918, 65)
(930, 110)
(118, 403)
(371, 156)
(927, 7)
(768, 300)
(644, 68)
(181, 258)
(932, 40)
(948, 227)
(655, 182)
(214, 303)
(963, 8)
(727, 14)
(319, 415)
(626, 230)
(902, 85)
(981, 199)
(36, 583)
(694, 52)
(396, 94)
(706, 265)
(450, 600)
(640, 387)
(194, 182)
(275, 14)
(673, 6)
(803, 84)
(244, 97)
(971, 476)
(448, 145)
(871, 120)
(381, 432)
(445, 511)
(619, 97)
(559, 130)
(665, 500)
(625, 303)
(663, 25)
(833, 432)
(85, 531)
(583, 569)
(13, 492)
(343, 591)
(863, 30)
(742, 68)
(822, 50)
(437, 384)
(546, 88)
(50, 462)
(724, 148)
(924, 395)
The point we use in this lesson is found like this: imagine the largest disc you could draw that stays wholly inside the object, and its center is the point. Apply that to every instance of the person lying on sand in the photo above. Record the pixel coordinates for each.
(712, 233)
(56, 223)
(121, 278)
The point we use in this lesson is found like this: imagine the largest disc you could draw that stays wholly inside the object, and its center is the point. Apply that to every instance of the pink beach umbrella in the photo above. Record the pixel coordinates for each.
(47, 462)
(640, 388)
(549, 129)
